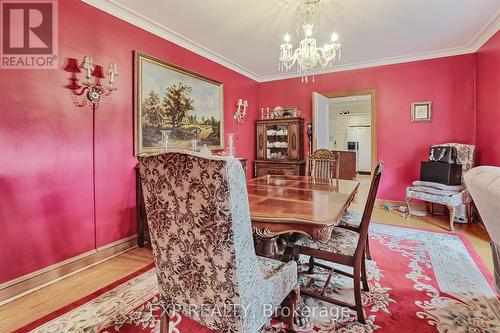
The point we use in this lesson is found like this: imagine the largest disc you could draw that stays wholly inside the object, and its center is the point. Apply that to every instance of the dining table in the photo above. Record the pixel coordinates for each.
(283, 205)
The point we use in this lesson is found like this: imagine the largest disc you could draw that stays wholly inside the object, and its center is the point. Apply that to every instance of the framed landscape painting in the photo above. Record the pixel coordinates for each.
(167, 97)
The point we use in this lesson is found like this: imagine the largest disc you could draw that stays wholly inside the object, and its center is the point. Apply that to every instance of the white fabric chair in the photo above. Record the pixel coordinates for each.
(484, 186)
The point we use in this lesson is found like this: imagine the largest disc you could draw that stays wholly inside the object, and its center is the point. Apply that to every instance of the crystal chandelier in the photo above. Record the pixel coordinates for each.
(308, 56)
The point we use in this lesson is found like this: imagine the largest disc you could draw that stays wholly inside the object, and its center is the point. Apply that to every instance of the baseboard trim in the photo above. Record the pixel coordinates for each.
(31, 282)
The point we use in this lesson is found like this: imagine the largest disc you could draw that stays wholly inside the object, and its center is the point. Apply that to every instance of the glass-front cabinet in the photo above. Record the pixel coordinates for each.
(277, 141)
(280, 146)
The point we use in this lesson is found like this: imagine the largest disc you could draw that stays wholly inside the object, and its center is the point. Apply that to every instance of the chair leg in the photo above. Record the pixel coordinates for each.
(164, 322)
(296, 257)
(469, 214)
(292, 301)
(357, 294)
(368, 254)
(452, 217)
(364, 278)
(311, 265)
(408, 208)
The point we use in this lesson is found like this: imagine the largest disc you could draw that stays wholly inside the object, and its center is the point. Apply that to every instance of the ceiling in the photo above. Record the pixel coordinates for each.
(245, 34)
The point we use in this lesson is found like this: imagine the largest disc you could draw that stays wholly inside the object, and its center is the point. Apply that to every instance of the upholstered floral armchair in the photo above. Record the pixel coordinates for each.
(450, 196)
(199, 220)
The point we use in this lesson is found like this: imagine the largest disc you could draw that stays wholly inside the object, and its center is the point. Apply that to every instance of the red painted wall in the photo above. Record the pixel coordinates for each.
(488, 101)
(447, 82)
(46, 204)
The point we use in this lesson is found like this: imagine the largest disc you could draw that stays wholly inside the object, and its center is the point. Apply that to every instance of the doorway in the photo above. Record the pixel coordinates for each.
(347, 121)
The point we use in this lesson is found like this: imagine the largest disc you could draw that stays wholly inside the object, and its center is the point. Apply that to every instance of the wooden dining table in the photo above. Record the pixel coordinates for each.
(282, 205)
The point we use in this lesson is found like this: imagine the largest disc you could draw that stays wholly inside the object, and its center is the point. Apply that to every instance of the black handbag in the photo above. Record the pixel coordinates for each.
(444, 154)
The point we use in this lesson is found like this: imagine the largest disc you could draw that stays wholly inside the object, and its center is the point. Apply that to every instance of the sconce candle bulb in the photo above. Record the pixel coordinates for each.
(87, 66)
(112, 72)
(92, 88)
(241, 110)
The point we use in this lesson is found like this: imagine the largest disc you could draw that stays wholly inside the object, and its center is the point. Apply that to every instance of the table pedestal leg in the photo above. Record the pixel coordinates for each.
(267, 246)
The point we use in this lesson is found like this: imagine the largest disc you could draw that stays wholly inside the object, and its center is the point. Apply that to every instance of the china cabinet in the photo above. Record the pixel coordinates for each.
(280, 147)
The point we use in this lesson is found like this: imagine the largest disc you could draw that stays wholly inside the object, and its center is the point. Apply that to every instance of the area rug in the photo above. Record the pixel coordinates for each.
(420, 281)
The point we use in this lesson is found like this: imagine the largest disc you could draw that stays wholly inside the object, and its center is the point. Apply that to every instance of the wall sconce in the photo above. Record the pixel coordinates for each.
(91, 87)
(241, 110)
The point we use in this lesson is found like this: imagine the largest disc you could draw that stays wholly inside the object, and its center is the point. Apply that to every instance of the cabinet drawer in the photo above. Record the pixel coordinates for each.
(274, 170)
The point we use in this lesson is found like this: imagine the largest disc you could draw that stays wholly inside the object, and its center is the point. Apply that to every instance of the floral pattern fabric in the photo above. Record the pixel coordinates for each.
(432, 190)
(351, 219)
(439, 186)
(202, 242)
(263, 282)
(453, 200)
(342, 241)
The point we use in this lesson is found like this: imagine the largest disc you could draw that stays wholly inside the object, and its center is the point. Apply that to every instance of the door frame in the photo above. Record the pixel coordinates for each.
(371, 92)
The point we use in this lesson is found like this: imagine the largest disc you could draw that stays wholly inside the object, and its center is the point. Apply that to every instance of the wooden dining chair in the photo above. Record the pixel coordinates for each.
(351, 220)
(345, 247)
(324, 164)
(201, 235)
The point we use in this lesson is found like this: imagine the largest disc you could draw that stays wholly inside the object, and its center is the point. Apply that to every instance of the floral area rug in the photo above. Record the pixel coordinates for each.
(420, 281)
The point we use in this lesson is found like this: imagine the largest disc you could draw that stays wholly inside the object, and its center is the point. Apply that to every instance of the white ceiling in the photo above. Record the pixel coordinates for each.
(245, 34)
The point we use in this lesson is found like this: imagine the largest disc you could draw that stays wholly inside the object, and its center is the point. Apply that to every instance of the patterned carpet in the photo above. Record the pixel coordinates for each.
(421, 281)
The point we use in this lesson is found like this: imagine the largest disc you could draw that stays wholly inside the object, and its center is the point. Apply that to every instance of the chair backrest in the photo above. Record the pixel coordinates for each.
(199, 221)
(367, 212)
(466, 155)
(324, 164)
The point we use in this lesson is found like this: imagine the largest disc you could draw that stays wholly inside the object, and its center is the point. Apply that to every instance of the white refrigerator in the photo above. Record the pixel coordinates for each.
(359, 139)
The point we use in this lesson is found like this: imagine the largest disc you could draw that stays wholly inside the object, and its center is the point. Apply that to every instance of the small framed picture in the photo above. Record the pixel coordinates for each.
(421, 111)
(291, 111)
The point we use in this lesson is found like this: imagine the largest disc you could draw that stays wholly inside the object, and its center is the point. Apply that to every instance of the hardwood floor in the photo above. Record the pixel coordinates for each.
(28, 308)
(475, 233)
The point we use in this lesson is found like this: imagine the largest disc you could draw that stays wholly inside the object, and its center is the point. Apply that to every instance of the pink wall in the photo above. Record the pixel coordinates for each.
(447, 82)
(488, 101)
(46, 204)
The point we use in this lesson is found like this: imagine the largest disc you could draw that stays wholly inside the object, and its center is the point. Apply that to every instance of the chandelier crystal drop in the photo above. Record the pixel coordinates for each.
(308, 56)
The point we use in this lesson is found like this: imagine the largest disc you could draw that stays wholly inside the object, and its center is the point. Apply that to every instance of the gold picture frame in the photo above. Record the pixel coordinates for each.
(289, 110)
(421, 112)
(168, 97)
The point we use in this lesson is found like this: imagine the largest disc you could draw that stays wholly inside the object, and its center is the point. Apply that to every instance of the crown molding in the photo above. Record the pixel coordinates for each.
(491, 27)
(126, 14)
(116, 9)
(375, 63)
